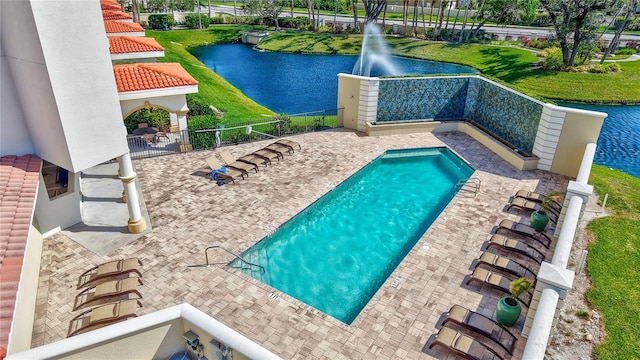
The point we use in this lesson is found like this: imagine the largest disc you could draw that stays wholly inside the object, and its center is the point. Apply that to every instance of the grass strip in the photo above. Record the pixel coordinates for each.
(212, 89)
(614, 263)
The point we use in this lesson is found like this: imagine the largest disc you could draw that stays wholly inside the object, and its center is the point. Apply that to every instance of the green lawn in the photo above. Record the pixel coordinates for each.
(507, 65)
(614, 263)
(212, 89)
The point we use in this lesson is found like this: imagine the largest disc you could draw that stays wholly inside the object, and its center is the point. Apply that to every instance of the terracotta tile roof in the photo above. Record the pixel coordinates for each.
(133, 44)
(119, 27)
(147, 76)
(110, 5)
(115, 15)
(19, 176)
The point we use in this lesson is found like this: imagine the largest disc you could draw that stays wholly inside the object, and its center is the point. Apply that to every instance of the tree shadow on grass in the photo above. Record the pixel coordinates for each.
(509, 67)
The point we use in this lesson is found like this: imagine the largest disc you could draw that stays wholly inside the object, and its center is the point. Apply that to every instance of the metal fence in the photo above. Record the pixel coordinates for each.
(232, 133)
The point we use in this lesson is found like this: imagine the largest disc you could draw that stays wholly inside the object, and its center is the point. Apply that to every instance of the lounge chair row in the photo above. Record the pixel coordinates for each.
(481, 333)
(112, 290)
(473, 344)
(530, 201)
(235, 169)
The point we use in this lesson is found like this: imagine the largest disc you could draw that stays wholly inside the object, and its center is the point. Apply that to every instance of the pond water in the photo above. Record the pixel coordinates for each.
(296, 83)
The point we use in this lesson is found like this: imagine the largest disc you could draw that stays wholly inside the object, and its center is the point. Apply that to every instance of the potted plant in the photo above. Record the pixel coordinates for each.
(539, 218)
(508, 309)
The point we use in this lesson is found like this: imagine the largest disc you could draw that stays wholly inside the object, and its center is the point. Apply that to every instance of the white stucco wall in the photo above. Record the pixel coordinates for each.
(14, 135)
(62, 69)
(61, 211)
(137, 100)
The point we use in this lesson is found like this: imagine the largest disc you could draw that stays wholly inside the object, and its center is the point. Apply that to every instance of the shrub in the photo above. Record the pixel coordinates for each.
(202, 140)
(283, 126)
(198, 107)
(325, 29)
(599, 69)
(154, 117)
(625, 51)
(552, 59)
(217, 20)
(158, 21)
(544, 44)
(614, 67)
(293, 23)
(202, 122)
(191, 21)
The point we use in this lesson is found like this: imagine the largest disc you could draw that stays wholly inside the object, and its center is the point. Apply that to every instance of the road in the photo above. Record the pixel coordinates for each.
(502, 32)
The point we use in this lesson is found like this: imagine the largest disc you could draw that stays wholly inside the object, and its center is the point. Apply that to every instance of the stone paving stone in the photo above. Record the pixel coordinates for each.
(189, 212)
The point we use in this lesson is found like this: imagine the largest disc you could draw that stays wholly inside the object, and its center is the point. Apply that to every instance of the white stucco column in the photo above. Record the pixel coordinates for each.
(173, 120)
(136, 223)
(574, 189)
(368, 102)
(552, 287)
(182, 119)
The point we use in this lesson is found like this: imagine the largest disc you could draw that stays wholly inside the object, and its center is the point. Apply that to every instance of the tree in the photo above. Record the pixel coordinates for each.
(574, 22)
(157, 6)
(630, 6)
(372, 9)
(504, 12)
(266, 8)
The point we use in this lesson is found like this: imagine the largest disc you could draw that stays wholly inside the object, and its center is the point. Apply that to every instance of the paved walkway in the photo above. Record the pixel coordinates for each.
(189, 212)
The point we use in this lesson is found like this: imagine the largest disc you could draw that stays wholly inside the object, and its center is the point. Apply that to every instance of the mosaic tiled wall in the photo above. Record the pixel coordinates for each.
(506, 113)
(509, 115)
(422, 98)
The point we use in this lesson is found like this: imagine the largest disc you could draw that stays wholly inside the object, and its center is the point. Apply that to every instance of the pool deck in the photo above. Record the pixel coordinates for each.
(189, 212)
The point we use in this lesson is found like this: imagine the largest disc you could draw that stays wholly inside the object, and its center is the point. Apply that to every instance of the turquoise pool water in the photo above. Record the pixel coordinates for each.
(336, 253)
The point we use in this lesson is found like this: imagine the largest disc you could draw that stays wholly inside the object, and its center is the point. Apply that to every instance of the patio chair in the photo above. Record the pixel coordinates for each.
(268, 155)
(463, 345)
(255, 160)
(504, 264)
(102, 316)
(524, 230)
(290, 144)
(514, 245)
(531, 206)
(495, 281)
(279, 148)
(537, 197)
(228, 175)
(483, 325)
(107, 291)
(231, 162)
(111, 270)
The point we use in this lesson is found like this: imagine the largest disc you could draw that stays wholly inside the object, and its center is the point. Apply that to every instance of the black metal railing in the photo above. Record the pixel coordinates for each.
(232, 133)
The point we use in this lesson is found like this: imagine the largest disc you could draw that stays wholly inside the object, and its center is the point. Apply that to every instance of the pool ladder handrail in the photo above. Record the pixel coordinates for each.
(206, 257)
(472, 181)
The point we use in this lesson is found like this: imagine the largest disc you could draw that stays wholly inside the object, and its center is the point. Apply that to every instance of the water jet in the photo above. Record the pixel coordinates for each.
(374, 54)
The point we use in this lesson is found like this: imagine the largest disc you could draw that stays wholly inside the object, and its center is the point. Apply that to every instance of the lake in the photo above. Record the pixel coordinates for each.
(296, 83)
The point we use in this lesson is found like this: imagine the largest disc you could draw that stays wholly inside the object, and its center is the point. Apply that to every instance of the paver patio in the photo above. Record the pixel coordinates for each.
(189, 212)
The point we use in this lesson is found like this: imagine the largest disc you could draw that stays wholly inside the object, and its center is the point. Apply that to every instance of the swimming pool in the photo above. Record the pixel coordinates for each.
(335, 254)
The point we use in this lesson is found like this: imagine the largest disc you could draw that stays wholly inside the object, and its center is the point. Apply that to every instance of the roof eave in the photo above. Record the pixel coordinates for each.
(137, 55)
(169, 91)
(131, 33)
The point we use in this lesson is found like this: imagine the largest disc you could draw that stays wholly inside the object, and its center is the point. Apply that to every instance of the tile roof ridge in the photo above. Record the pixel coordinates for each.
(143, 40)
(169, 69)
(132, 27)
